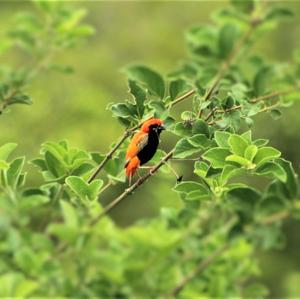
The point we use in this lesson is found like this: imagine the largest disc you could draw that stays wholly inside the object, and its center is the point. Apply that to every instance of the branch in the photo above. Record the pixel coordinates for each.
(253, 101)
(180, 99)
(128, 191)
(109, 156)
(216, 81)
(199, 268)
(7, 100)
(227, 63)
(276, 217)
(127, 133)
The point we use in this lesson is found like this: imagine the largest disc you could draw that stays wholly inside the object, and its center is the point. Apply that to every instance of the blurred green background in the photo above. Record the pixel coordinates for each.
(73, 107)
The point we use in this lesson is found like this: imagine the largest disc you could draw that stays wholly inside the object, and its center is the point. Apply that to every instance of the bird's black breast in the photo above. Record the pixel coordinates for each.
(150, 148)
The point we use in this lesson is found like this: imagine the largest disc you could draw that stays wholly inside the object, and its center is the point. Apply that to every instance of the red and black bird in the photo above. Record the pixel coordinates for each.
(143, 145)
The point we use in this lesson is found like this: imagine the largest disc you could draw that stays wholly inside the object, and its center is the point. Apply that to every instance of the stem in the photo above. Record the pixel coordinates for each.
(106, 186)
(273, 94)
(226, 64)
(199, 268)
(256, 100)
(180, 99)
(276, 217)
(128, 191)
(109, 156)
(7, 100)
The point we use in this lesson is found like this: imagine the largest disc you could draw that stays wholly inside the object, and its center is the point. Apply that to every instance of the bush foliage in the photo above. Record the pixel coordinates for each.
(57, 239)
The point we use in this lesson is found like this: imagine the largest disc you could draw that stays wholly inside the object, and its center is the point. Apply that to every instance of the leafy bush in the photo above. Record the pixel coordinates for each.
(58, 240)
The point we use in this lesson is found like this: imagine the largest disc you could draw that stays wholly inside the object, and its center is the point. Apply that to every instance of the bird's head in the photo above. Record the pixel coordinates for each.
(153, 124)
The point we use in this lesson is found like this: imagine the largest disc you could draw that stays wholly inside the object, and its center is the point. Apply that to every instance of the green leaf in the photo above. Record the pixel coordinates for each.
(262, 79)
(82, 169)
(187, 115)
(260, 142)
(201, 169)
(221, 138)
(277, 12)
(247, 136)
(6, 149)
(238, 159)
(256, 290)
(250, 152)
(266, 154)
(139, 96)
(273, 169)
(184, 148)
(41, 163)
(200, 141)
(69, 214)
(193, 190)
(20, 99)
(78, 185)
(237, 144)
(291, 186)
(177, 88)
(216, 156)
(3, 165)
(54, 165)
(14, 171)
(83, 189)
(197, 195)
(94, 189)
(244, 199)
(201, 127)
(226, 40)
(148, 78)
(245, 6)
(160, 110)
(275, 114)
(32, 201)
(121, 110)
(228, 172)
(183, 129)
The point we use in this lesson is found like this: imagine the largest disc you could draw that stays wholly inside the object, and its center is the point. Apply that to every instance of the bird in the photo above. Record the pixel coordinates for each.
(143, 146)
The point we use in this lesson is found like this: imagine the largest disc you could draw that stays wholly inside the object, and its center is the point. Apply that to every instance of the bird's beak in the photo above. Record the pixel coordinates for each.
(162, 127)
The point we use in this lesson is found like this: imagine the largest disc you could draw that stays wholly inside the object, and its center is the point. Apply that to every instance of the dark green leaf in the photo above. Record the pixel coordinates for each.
(262, 79)
(227, 37)
(275, 113)
(201, 127)
(149, 78)
(177, 88)
(139, 96)
(184, 148)
(273, 169)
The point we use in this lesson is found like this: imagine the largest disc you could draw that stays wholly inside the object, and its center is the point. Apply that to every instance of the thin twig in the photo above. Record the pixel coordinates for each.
(6, 102)
(105, 187)
(109, 156)
(273, 95)
(256, 100)
(181, 98)
(200, 268)
(226, 65)
(128, 191)
(210, 114)
(276, 217)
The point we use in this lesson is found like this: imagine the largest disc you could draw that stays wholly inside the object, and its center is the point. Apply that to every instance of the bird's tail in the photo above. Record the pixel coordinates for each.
(131, 166)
